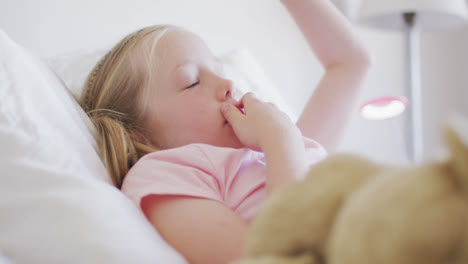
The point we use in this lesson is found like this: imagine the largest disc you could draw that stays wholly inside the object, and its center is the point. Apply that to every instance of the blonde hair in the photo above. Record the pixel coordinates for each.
(110, 98)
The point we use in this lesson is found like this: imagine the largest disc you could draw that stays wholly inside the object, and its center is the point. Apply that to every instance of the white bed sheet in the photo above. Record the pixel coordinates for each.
(57, 202)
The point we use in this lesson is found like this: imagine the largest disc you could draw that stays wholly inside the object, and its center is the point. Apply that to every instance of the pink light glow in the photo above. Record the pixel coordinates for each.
(384, 107)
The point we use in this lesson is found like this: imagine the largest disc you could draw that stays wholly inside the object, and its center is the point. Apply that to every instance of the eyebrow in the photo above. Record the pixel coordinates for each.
(179, 66)
(216, 61)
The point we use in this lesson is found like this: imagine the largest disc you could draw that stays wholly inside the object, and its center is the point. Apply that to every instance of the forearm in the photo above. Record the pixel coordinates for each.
(328, 33)
(326, 115)
(285, 160)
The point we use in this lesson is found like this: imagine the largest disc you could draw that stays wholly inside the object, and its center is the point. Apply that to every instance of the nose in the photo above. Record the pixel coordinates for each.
(225, 90)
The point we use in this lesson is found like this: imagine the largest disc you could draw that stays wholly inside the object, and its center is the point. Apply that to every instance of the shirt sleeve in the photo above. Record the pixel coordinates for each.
(184, 171)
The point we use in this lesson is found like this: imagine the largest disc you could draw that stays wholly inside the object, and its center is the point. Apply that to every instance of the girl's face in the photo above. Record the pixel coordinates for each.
(184, 105)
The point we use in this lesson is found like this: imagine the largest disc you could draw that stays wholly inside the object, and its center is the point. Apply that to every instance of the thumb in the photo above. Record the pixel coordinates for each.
(232, 114)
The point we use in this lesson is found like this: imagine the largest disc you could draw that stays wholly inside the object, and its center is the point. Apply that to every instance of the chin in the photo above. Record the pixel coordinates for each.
(235, 143)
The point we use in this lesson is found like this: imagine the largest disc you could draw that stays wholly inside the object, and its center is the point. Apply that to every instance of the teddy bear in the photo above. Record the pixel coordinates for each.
(349, 210)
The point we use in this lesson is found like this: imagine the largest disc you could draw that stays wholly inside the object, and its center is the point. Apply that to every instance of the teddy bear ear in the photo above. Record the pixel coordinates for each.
(456, 139)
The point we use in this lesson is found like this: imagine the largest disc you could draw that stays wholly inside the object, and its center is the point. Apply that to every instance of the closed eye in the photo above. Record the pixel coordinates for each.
(193, 85)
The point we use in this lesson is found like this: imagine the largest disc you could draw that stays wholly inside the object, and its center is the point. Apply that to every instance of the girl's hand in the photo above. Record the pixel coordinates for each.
(264, 127)
(261, 123)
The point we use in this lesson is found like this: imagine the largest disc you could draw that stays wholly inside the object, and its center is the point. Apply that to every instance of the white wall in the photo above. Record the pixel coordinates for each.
(380, 140)
(263, 26)
(51, 27)
(445, 81)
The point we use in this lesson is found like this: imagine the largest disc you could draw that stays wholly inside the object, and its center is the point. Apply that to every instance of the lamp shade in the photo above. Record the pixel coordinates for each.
(383, 107)
(431, 14)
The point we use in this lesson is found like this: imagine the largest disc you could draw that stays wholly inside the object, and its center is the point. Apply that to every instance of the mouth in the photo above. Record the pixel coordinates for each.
(239, 106)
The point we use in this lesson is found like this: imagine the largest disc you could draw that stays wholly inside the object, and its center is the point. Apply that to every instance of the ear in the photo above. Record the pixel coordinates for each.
(455, 130)
(141, 143)
(138, 137)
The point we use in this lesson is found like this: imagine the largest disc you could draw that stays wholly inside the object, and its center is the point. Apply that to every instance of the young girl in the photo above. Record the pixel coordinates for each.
(196, 161)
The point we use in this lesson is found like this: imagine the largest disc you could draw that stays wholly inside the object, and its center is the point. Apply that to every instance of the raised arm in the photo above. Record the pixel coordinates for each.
(346, 62)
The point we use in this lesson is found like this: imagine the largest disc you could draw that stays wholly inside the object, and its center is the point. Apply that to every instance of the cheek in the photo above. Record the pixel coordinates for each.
(188, 112)
(195, 104)
(202, 117)
(196, 114)
(189, 118)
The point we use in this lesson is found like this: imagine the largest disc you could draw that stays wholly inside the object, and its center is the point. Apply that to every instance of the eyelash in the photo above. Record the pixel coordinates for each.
(193, 85)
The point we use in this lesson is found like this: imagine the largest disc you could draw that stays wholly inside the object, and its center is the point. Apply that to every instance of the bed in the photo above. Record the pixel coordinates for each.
(57, 202)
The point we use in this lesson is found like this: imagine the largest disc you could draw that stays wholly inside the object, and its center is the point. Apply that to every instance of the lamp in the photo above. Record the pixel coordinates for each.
(383, 107)
(411, 16)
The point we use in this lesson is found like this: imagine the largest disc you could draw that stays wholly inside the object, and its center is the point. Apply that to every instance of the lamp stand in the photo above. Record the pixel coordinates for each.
(413, 132)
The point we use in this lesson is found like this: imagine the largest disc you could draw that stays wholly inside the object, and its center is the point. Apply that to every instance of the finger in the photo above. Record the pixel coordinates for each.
(247, 97)
(232, 114)
(239, 104)
(248, 100)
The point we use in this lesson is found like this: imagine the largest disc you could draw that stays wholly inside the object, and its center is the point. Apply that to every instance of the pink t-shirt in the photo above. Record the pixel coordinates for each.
(234, 177)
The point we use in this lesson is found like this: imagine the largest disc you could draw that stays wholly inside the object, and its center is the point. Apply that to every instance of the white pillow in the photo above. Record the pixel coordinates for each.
(240, 66)
(248, 76)
(56, 201)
